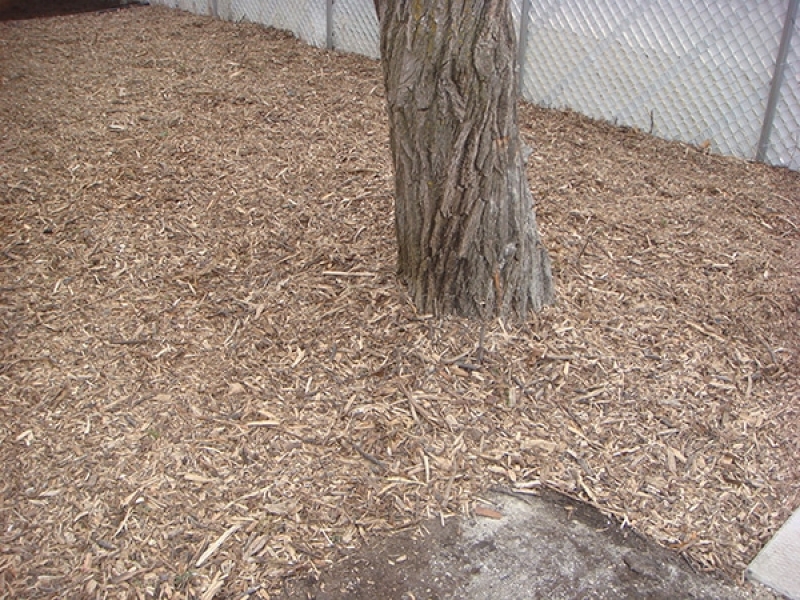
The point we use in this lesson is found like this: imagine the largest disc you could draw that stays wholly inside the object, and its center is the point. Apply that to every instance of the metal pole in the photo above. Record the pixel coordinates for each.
(329, 24)
(777, 80)
(523, 40)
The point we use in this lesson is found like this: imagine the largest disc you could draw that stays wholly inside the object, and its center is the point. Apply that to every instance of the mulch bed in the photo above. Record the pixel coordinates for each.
(211, 379)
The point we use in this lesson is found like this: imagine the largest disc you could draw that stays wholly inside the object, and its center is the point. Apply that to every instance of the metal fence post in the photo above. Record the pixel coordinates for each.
(777, 80)
(329, 24)
(522, 45)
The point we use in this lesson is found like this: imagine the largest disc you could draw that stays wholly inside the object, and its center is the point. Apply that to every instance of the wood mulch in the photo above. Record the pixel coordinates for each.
(211, 380)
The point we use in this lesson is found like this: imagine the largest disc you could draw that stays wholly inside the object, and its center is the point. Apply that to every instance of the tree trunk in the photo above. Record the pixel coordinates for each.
(464, 218)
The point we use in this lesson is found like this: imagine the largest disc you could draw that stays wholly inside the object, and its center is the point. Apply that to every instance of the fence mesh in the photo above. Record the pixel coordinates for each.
(304, 18)
(355, 27)
(784, 148)
(690, 71)
(694, 72)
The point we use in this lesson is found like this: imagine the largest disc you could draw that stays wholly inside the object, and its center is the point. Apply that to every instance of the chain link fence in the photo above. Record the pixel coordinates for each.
(718, 72)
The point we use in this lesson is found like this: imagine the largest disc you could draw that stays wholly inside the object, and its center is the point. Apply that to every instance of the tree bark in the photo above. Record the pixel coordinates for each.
(465, 224)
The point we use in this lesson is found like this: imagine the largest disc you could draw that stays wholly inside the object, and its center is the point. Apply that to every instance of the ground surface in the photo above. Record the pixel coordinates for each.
(211, 380)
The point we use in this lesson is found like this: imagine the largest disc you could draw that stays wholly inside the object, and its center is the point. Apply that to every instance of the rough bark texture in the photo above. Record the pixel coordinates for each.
(466, 228)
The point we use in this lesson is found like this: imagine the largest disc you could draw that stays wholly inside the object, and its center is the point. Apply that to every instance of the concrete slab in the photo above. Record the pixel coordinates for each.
(518, 548)
(778, 564)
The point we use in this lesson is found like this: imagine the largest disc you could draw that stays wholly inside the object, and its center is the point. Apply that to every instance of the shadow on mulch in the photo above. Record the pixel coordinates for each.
(15, 10)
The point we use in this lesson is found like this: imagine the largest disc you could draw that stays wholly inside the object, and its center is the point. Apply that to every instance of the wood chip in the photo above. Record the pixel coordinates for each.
(216, 544)
(484, 511)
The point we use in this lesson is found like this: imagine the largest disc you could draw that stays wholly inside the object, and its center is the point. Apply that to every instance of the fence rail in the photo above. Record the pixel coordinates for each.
(718, 72)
